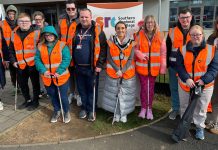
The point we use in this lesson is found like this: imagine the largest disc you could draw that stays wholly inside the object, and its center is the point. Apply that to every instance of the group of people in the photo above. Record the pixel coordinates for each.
(68, 61)
(192, 62)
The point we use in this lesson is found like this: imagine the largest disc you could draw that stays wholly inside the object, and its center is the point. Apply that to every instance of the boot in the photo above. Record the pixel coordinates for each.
(142, 113)
(150, 114)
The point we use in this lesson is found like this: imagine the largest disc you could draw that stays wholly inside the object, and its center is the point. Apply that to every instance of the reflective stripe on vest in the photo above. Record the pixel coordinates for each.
(176, 37)
(51, 62)
(202, 61)
(25, 50)
(144, 44)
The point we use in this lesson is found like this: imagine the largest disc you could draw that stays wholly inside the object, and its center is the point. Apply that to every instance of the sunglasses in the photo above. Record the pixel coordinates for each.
(71, 9)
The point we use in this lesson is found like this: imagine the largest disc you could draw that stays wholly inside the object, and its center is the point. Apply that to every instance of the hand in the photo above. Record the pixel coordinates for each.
(5, 64)
(97, 69)
(190, 83)
(15, 64)
(119, 73)
(47, 74)
(200, 82)
(145, 57)
(56, 75)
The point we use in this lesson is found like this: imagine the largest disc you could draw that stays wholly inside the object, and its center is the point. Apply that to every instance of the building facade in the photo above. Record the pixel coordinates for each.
(204, 11)
(53, 8)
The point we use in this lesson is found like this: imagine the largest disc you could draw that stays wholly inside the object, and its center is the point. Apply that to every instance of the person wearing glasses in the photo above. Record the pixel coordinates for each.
(67, 27)
(177, 37)
(39, 23)
(39, 20)
(22, 51)
(197, 64)
(52, 60)
(213, 123)
(150, 62)
(7, 26)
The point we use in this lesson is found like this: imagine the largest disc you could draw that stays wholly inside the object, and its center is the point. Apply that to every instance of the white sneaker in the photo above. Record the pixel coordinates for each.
(70, 97)
(117, 118)
(123, 119)
(78, 100)
(1, 105)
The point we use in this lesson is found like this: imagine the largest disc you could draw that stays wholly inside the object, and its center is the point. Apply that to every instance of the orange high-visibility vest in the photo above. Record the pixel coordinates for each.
(25, 50)
(201, 63)
(177, 40)
(67, 34)
(52, 62)
(149, 48)
(6, 29)
(115, 53)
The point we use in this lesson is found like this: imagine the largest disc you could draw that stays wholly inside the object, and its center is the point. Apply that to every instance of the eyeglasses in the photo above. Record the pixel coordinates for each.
(72, 9)
(195, 35)
(47, 35)
(38, 20)
(24, 21)
(185, 17)
(150, 22)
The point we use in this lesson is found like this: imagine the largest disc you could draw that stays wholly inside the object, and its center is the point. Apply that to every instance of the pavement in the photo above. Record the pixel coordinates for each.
(156, 136)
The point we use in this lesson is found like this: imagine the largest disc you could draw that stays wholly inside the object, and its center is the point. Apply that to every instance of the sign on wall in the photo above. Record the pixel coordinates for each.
(108, 14)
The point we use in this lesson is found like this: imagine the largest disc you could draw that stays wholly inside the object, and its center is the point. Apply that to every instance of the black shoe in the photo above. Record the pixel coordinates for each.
(33, 106)
(25, 104)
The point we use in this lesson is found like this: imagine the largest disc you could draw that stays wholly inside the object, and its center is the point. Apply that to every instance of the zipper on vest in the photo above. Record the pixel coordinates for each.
(193, 67)
(23, 53)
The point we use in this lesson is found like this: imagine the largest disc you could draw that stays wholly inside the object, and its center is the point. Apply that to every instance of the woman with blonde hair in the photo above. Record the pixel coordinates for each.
(150, 62)
(197, 65)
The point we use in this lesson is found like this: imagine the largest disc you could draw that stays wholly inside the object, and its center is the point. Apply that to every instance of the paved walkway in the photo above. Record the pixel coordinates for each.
(154, 137)
(8, 116)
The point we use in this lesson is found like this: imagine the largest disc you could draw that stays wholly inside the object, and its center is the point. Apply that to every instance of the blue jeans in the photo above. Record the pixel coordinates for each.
(173, 81)
(85, 81)
(52, 91)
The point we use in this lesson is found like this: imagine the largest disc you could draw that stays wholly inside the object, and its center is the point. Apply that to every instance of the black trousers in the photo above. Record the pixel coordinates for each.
(23, 77)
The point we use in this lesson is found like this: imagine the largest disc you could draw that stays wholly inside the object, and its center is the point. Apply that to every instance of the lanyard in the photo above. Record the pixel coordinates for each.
(81, 36)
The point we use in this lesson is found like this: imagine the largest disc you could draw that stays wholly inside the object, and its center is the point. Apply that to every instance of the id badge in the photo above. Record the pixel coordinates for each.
(79, 46)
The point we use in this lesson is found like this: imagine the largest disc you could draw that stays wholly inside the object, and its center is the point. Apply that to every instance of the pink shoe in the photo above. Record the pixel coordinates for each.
(142, 113)
(149, 114)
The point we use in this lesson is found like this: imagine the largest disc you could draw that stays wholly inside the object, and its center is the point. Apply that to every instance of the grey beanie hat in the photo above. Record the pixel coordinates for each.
(13, 8)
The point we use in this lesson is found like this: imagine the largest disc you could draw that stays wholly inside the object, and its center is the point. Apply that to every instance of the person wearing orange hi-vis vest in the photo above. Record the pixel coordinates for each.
(177, 37)
(67, 28)
(120, 90)
(8, 25)
(89, 56)
(23, 46)
(150, 54)
(52, 60)
(197, 65)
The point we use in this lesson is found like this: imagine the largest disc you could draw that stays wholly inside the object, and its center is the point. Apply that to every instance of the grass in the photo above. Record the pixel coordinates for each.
(103, 125)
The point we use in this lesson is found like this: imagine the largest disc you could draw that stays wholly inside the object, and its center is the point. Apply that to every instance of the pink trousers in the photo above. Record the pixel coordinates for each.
(147, 91)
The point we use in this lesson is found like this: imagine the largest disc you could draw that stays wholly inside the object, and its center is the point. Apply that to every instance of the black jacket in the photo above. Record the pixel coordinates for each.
(212, 69)
(103, 46)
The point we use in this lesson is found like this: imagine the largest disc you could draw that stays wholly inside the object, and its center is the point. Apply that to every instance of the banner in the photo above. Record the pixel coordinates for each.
(2, 12)
(108, 14)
